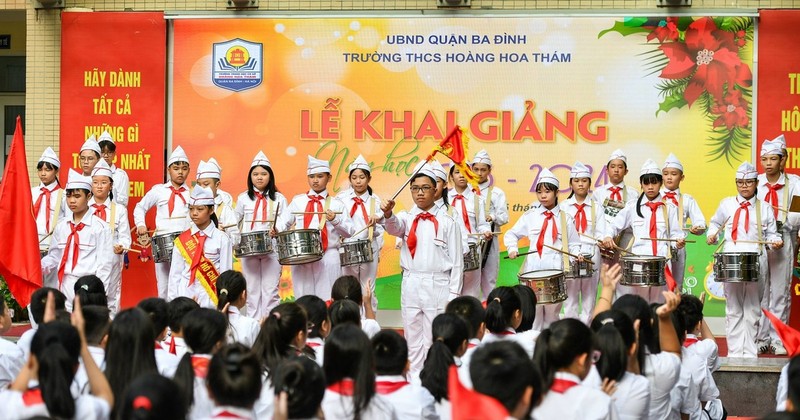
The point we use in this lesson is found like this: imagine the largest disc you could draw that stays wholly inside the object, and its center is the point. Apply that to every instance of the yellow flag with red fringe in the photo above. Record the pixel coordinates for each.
(455, 147)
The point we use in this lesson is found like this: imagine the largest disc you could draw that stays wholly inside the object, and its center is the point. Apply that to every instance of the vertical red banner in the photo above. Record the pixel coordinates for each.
(779, 97)
(113, 69)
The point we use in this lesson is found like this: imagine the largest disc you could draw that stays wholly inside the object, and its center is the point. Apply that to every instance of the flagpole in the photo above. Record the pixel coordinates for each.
(419, 168)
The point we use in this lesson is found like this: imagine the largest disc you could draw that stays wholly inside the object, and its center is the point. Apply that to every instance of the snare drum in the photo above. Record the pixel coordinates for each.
(253, 244)
(356, 252)
(736, 267)
(299, 246)
(643, 271)
(580, 269)
(162, 247)
(472, 259)
(548, 285)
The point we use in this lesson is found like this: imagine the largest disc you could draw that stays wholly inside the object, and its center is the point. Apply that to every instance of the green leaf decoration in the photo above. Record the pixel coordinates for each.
(635, 21)
(623, 29)
(731, 145)
(675, 100)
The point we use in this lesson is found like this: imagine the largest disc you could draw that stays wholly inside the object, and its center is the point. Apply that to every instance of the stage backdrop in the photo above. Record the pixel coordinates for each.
(535, 92)
(113, 68)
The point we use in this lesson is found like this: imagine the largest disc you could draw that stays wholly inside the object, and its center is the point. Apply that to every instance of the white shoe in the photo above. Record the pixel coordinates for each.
(779, 350)
(763, 347)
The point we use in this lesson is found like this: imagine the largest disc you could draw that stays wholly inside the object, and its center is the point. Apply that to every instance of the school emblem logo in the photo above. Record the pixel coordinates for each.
(238, 64)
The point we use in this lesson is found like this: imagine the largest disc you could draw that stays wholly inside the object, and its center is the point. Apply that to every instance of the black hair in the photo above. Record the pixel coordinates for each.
(503, 370)
(650, 179)
(450, 332)
(500, 307)
(656, 332)
(679, 323)
(471, 310)
(558, 346)
(548, 186)
(637, 309)
(70, 191)
(178, 308)
(90, 291)
(692, 309)
(57, 348)
(203, 330)
(304, 383)
(234, 377)
(129, 350)
(368, 175)
(230, 286)
(276, 340)
(347, 287)
(527, 300)
(152, 397)
(271, 188)
(39, 300)
(614, 334)
(391, 353)
(344, 311)
(105, 144)
(793, 376)
(49, 166)
(348, 355)
(158, 311)
(97, 320)
(317, 313)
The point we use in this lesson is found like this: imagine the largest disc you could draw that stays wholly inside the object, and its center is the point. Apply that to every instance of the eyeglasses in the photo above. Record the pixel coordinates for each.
(745, 182)
(87, 158)
(107, 153)
(425, 189)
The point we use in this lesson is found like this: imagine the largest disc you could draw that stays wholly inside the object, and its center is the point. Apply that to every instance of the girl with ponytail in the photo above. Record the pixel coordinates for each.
(152, 397)
(234, 382)
(450, 340)
(231, 298)
(504, 315)
(204, 332)
(564, 354)
(54, 358)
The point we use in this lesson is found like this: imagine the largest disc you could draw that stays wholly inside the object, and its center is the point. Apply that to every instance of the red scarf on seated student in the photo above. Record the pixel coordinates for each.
(200, 267)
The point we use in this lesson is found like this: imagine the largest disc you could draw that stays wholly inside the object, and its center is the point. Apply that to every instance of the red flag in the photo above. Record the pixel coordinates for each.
(20, 264)
(468, 404)
(454, 146)
(671, 283)
(789, 335)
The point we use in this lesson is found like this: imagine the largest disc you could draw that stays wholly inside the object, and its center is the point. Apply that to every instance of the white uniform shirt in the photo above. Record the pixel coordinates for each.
(663, 371)
(24, 342)
(706, 349)
(726, 213)
(95, 244)
(441, 208)
(227, 218)
(203, 404)
(530, 225)
(526, 339)
(691, 210)
(318, 345)
(242, 329)
(121, 185)
(357, 219)
(180, 346)
(577, 402)
(217, 249)
(80, 384)
(226, 412)
(122, 228)
(704, 388)
(258, 223)
(437, 251)
(407, 399)
(632, 397)
(340, 227)
(665, 228)
(57, 199)
(600, 195)
(87, 407)
(12, 358)
(593, 213)
(338, 406)
(159, 197)
(498, 206)
(166, 362)
(476, 216)
(466, 358)
(790, 188)
(783, 389)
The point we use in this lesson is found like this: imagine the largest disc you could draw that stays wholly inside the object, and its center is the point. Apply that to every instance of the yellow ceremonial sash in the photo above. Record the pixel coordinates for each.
(200, 267)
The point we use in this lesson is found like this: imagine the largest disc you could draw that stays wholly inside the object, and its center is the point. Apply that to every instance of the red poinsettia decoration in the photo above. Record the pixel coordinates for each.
(667, 30)
(710, 56)
(732, 111)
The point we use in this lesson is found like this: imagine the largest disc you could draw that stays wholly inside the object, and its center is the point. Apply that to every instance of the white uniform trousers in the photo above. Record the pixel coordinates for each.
(114, 286)
(50, 279)
(263, 275)
(678, 266)
(743, 313)
(491, 269)
(472, 284)
(582, 294)
(776, 297)
(367, 271)
(162, 279)
(546, 314)
(423, 296)
(317, 278)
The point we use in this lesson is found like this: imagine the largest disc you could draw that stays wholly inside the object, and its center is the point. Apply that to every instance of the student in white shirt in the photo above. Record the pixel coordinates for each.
(691, 399)
(158, 311)
(503, 371)
(300, 384)
(90, 291)
(617, 368)
(526, 336)
(613, 197)
(36, 310)
(81, 244)
(319, 326)
(208, 176)
(504, 316)
(234, 382)
(345, 311)
(699, 338)
(171, 201)
(471, 310)
(96, 322)
(564, 354)
(48, 204)
(12, 358)
(89, 155)
(116, 216)
(687, 207)
(108, 151)
(391, 366)
(204, 331)
(151, 397)
(496, 212)
(200, 254)
(450, 335)
(745, 218)
(349, 287)
(350, 379)
(178, 308)
(257, 209)
(231, 298)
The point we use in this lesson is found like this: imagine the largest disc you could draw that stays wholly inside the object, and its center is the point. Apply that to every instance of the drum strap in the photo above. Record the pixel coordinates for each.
(371, 229)
(785, 200)
(113, 220)
(59, 199)
(594, 216)
(487, 205)
(666, 223)
(476, 204)
(758, 221)
(324, 209)
(564, 240)
(680, 211)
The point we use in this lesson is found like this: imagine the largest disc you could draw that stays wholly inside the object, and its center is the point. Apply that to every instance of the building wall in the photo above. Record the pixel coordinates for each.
(43, 28)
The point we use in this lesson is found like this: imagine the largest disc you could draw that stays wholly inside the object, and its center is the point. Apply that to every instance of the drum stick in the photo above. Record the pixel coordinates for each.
(780, 209)
(361, 230)
(481, 234)
(754, 242)
(46, 236)
(314, 212)
(617, 247)
(719, 246)
(566, 253)
(175, 217)
(399, 190)
(524, 253)
(229, 226)
(688, 241)
(131, 250)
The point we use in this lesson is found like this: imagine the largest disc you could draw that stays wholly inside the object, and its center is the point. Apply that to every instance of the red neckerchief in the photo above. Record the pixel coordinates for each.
(388, 387)
(412, 234)
(32, 396)
(344, 387)
(562, 385)
(200, 366)
(689, 341)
